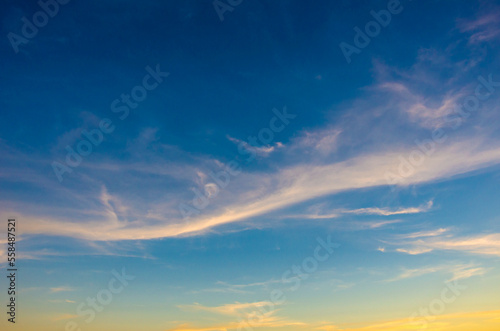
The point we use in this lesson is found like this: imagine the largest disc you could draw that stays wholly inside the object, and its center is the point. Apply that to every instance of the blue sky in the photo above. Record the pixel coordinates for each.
(394, 157)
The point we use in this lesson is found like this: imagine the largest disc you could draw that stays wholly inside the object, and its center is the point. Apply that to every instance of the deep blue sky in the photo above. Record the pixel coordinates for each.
(324, 175)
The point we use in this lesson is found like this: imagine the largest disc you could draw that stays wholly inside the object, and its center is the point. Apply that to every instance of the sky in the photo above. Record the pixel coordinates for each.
(251, 165)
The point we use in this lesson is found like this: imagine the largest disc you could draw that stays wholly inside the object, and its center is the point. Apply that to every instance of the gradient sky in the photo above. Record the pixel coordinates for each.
(339, 169)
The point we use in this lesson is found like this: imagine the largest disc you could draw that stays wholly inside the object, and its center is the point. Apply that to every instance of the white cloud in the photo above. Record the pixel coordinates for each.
(432, 116)
(389, 212)
(457, 271)
(319, 213)
(431, 233)
(262, 151)
(323, 141)
(275, 191)
(414, 251)
(261, 314)
(61, 289)
(486, 244)
(484, 28)
(232, 309)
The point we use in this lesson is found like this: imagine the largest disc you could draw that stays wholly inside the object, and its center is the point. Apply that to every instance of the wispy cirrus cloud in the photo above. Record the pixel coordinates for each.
(320, 212)
(430, 233)
(63, 317)
(262, 151)
(482, 29)
(414, 251)
(224, 287)
(61, 289)
(457, 271)
(352, 155)
(388, 211)
(428, 241)
(284, 188)
(462, 321)
(262, 314)
(464, 272)
(322, 142)
(233, 309)
(61, 301)
(366, 225)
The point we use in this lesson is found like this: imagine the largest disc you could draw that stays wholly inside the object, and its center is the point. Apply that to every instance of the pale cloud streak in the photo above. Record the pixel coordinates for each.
(233, 309)
(262, 151)
(323, 141)
(279, 190)
(61, 289)
(262, 314)
(483, 244)
(389, 212)
(462, 321)
(318, 213)
(483, 29)
(457, 271)
(430, 233)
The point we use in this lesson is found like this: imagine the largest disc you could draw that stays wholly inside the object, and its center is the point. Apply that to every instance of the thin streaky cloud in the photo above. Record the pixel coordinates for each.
(420, 234)
(485, 244)
(457, 321)
(296, 184)
(335, 213)
(389, 212)
(457, 271)
(62, 289)
(259, 150)
(233, 309)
